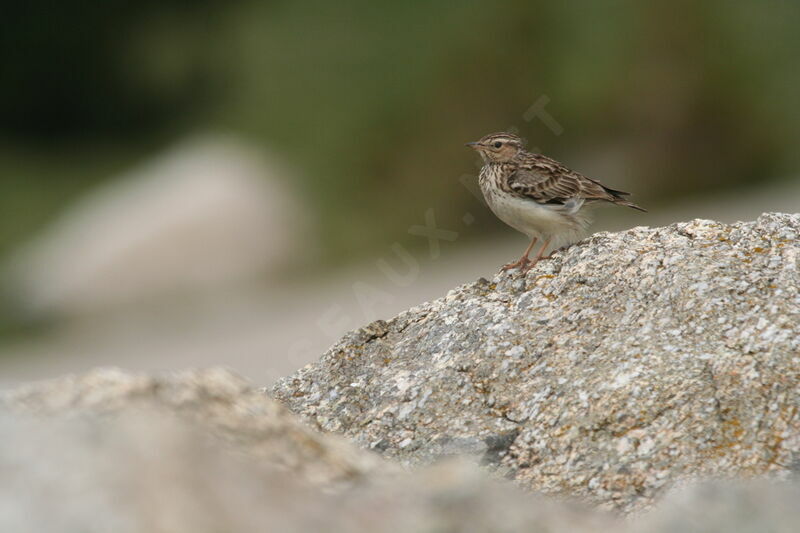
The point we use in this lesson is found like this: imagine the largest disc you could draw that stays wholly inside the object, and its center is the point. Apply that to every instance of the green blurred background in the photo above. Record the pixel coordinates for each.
(370, 102)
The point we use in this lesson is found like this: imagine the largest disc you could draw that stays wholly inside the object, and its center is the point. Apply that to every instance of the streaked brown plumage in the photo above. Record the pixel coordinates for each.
(538, 195)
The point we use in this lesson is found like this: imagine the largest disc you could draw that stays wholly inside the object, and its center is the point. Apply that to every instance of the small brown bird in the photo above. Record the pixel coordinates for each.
(538, 196)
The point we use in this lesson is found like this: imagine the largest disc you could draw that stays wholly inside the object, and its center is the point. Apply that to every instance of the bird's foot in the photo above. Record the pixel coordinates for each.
(530, 264)
(521, 263)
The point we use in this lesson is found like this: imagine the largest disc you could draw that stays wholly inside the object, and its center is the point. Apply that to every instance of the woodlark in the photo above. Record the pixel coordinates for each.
(537, 195)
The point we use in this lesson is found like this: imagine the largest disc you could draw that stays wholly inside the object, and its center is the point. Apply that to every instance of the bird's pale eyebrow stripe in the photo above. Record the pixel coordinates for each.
(503, 137)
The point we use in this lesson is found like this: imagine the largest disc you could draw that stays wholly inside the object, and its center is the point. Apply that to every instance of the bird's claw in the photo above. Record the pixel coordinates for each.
(523, 264)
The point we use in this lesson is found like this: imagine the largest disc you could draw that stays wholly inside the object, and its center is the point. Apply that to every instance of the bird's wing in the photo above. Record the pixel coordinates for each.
(547, 181)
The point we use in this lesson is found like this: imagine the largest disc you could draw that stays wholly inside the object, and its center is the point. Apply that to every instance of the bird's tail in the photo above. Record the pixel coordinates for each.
(619, 199)
(632, 205)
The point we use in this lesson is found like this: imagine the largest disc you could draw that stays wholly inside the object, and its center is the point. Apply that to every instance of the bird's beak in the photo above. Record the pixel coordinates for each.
(473, 145)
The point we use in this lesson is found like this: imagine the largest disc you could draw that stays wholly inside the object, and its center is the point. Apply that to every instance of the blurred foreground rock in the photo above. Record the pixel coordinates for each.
(624, 365)
(203, 452)
(208, 213)
(222, 403)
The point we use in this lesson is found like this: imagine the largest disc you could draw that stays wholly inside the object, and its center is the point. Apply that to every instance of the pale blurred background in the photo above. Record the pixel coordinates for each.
(195, 183)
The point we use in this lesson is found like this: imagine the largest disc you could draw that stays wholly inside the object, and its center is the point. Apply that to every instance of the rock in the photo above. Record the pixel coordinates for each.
(724, 507)
(217, 401)
(203, 452)
(623, 365)
(207, 214)
(144, 473)
(136, 471)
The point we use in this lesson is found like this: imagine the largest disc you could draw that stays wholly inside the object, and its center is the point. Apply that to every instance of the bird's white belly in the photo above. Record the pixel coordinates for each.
(527, 216)
(562, 224)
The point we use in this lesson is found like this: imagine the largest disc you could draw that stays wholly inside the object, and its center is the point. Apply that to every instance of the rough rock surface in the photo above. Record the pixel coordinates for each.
(112, 451)
(218, 401)
(623, 365)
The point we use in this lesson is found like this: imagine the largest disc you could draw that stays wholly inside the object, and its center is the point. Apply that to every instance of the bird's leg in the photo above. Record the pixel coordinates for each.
(539, 255)
(523, 261)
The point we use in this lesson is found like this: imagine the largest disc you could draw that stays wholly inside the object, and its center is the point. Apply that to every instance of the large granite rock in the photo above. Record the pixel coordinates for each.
(626, 363)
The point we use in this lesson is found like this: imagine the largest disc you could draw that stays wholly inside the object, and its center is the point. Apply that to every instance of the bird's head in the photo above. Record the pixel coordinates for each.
(498, 147)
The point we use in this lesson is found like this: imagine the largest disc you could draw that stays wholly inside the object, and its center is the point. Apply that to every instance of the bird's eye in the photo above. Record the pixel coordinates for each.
(498, 144)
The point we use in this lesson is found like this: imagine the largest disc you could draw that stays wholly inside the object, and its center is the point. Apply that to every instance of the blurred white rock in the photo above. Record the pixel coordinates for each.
(210, 212)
